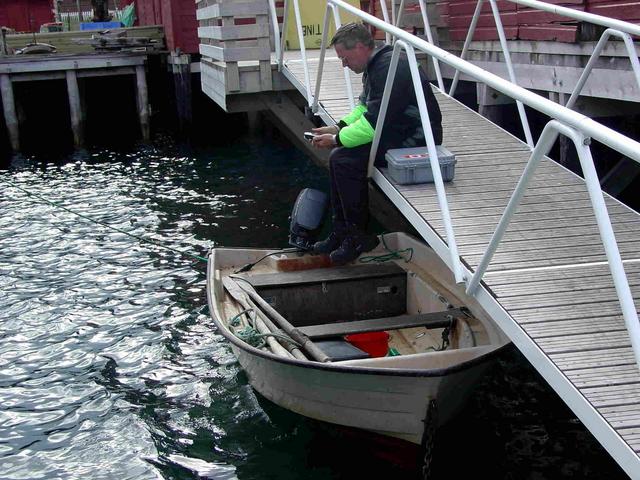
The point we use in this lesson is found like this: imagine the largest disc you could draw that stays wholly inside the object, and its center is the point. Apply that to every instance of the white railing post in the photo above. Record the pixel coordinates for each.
(303, 51)
(465, 47)
(427, 31)
(285, 21)
(431, 144)
(345, 70)
(276, 29)
(323, 51)
(400, 12)
(631, 51)
(546, 141)
(608, 237)
(385, 16)
(512, 73)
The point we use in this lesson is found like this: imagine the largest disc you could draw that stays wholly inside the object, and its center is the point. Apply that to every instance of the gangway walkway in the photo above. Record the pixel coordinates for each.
(549, 285)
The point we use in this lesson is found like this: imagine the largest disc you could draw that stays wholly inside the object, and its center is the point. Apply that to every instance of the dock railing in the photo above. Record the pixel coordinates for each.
(575, 126)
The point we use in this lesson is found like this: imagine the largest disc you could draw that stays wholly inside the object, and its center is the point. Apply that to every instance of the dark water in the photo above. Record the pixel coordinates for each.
(110, 366)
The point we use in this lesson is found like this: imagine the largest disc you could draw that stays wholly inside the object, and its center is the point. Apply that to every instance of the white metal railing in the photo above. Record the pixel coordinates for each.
(577, 127)
(620, 28)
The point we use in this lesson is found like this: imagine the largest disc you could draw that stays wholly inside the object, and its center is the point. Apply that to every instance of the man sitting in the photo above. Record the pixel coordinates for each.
(351, 138)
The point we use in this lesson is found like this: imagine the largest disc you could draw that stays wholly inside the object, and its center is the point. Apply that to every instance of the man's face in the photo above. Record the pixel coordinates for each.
(355, 58)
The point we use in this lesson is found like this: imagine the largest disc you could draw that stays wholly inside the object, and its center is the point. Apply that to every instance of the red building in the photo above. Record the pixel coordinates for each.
(178, 18)
(523, 23)
(25, 15)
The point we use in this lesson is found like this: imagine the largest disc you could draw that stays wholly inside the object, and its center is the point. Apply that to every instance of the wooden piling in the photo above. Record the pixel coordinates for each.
(142, 96)
(75, 107)
(10, 115)
(3, 42)
(181, 69)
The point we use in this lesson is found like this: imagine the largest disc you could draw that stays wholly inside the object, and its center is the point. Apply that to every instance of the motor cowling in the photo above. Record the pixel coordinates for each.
(307, 218)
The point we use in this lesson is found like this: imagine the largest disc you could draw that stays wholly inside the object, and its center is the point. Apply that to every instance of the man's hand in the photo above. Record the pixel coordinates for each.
(326, 140)
(333, 129)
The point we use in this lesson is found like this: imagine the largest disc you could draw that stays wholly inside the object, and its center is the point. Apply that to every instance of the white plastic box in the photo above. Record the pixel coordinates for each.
(412, 165)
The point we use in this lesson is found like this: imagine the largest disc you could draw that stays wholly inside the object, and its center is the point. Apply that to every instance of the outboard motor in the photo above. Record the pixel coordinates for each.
(307, 218)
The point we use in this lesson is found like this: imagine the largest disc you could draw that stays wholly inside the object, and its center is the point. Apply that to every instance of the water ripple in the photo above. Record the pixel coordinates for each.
(109, 364)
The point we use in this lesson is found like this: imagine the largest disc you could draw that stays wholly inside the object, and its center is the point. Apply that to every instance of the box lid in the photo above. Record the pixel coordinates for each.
(417, 156)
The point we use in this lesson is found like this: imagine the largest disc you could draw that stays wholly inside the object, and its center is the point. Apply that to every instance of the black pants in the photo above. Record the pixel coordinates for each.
(350, 186)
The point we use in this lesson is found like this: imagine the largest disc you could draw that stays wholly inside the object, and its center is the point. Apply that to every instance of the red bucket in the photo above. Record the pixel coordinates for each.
(375, 344)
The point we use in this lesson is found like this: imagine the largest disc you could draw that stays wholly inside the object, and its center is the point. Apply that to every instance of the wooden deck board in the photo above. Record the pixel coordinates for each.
(575, 327)
(600, 377)
(607, 357)
(550, 273)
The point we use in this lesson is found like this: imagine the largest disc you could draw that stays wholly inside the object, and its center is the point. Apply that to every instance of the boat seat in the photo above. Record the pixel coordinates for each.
(428, 320)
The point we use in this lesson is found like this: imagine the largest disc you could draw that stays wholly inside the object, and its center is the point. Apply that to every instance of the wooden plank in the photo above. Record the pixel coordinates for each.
(235, 32)
(601, 377)
(541, 330)
(557, 275)
(234, 54)
(427, 320)
(65, 42)
(584, 342)
(551, 255)
(233, 9)
(614, 395)
(71, 63)
(608, 357)
(569, 312)
(579, 298)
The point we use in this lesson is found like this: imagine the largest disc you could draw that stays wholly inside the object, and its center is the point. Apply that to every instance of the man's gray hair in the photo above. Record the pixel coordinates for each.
(349, 34)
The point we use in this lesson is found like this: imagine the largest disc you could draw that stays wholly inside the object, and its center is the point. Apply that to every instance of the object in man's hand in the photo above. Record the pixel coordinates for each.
(309, 136)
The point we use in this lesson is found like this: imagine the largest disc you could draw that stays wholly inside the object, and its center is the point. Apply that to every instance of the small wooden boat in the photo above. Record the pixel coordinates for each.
(298, 327)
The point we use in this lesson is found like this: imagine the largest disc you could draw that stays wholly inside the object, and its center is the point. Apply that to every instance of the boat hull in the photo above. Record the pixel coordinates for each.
(382, 402)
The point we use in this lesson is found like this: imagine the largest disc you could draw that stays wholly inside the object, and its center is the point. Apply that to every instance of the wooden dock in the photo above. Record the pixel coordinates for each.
(71, 67)
(548, 286)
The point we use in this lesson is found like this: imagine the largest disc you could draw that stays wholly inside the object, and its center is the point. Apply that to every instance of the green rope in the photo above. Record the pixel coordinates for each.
(85, 217)
(405, 254)
(252, 336)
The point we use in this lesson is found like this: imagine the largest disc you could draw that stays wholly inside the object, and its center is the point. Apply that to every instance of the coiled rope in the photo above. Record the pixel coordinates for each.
(405, 254)
(249, 334)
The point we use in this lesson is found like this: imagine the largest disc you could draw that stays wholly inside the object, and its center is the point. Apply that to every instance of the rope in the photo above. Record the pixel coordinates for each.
(106, 225)
(253, 337)
(405, 254)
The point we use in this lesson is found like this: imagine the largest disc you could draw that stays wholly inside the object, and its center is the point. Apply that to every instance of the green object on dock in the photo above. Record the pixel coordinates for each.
(128, 16)
(393, 352)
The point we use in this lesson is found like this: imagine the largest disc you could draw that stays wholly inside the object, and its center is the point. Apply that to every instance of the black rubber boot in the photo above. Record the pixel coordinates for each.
(329, 244)
(352, 247)
(333, 241)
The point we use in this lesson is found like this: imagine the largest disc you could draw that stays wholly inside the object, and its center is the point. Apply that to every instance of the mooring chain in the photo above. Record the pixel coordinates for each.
(428, 439)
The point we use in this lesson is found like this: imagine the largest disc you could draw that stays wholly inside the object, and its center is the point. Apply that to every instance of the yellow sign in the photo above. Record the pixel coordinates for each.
(312, 17)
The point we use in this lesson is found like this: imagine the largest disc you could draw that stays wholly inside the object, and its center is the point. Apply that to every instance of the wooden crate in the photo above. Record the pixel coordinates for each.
(233, 31)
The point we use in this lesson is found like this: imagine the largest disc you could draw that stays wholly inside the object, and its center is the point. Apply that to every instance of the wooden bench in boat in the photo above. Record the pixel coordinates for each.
(428, 320)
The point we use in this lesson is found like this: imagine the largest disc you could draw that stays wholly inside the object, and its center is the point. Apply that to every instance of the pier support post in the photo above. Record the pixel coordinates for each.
(3, 42)
(75, 108)
(10, 115)
(491, 103)
(181, 69)
(142, 96)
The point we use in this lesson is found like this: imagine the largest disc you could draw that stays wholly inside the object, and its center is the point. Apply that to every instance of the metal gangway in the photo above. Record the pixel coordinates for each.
(551, 257)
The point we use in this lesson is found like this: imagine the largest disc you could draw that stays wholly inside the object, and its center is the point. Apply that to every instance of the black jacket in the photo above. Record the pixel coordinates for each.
(402, 127)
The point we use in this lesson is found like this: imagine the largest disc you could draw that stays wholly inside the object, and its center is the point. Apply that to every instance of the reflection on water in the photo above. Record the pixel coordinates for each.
(109, 365)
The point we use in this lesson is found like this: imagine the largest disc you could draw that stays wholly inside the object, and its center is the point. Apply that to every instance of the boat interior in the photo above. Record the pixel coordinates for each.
(345, 311)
